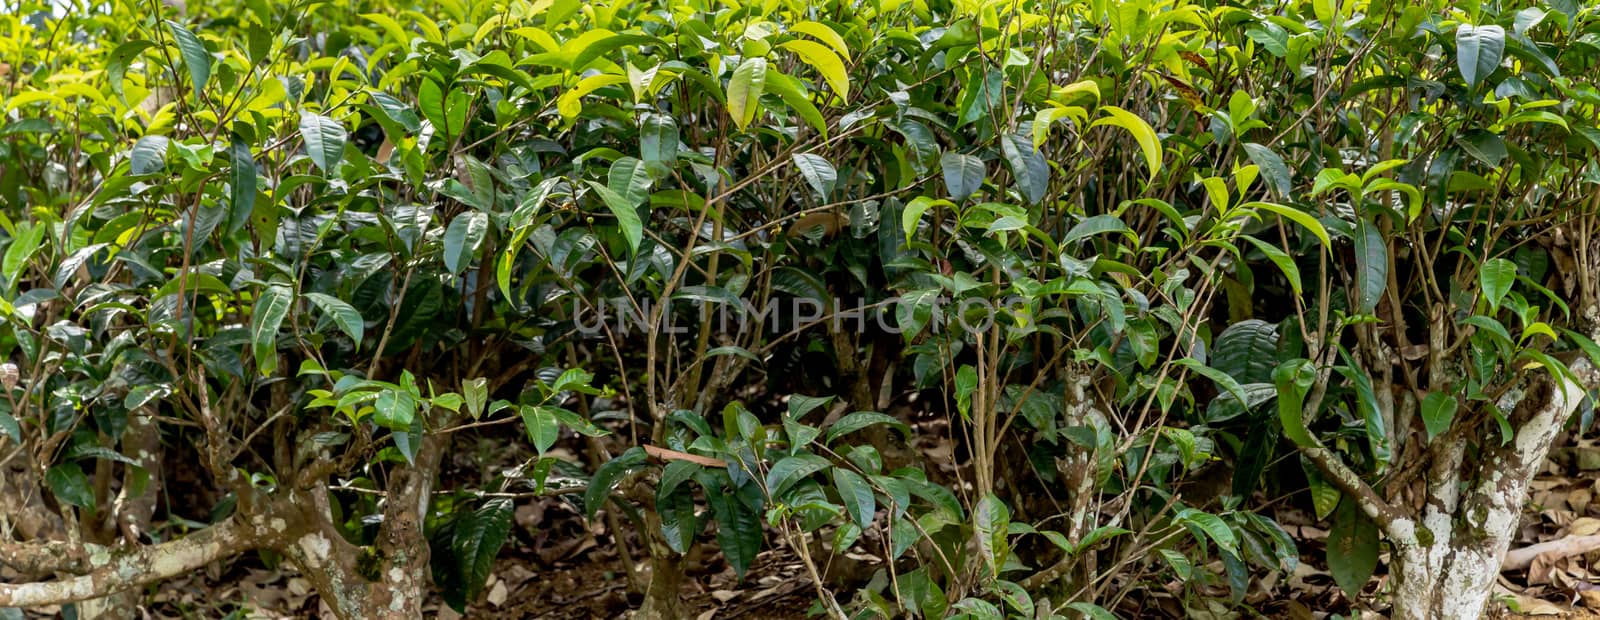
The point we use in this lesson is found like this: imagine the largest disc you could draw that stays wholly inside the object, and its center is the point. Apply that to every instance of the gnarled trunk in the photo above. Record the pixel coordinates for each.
(388, 579)
(1446, 561)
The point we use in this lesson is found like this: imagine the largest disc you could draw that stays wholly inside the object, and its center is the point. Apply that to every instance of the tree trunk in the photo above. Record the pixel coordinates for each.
(389, 579)
(1446, 562)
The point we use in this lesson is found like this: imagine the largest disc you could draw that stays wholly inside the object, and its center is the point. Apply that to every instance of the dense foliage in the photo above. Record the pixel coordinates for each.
(1145, 268)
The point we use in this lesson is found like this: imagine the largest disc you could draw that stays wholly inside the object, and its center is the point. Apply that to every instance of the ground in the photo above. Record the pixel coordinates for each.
(559, 567)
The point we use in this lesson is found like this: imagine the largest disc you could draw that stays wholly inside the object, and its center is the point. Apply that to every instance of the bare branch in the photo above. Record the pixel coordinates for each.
(110, 570)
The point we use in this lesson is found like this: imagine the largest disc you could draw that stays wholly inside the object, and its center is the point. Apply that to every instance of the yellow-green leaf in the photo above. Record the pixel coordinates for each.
(744, 90)
(1146, 136)
(1299, 217)
(824, 33)
(824, 61)
(570, 103)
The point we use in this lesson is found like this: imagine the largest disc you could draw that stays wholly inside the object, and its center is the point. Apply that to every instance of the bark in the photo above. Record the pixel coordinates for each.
(112, 570)
(1077, 471)
(389, 579)
(131, 510)
(1446, 561)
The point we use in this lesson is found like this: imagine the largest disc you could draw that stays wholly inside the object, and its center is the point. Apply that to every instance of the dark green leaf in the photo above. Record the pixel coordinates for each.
(607, 477)
(1478, 51)
(856, 495)
(627, 215)
(270, 309)
(195, 57)
(1352, 547)
(1484, 147)
(242, 189)
(397, 112)
(1028, 165)
(1273, 170)
(738, 529)
(862, 419)
(1438, 411)
(1247, 351)
(543, 427)
(343, 315)
(1372, 265)
(679, 525)
(629, 180)
(324, 140)
(478, 537)
(462, 239)
(149, 155)
(792, 469)
(963, 174)
(70, 485)
(658, 139)
(817, 172)
(1097, 225)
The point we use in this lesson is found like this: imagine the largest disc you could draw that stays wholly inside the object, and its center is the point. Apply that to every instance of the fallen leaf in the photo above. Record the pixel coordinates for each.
(498, 593)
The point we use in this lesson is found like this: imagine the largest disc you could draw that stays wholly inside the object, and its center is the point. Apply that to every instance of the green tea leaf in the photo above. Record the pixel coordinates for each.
(1372, 265)
(627, 215)
(857, 496)
(149, 155)
(324, 140)
(265, 319)
(70, 485)
(1352, 547)
(792, 469)
(817, 172)
(963, 174)
(606, 478)
(1438, 411)
(1478, 51)
(462, 239)
(343, 315)
(477, 539)
(195, 57)
(744, 90)
(1496, 278)
(543, 427)
(242, 184)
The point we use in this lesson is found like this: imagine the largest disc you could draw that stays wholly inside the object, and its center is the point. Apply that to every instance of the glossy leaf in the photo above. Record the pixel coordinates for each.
(1478, 51)
(1438, 411)
(343, 315)
(817, 172)
(745, 89)
(462, 240)
(1372, 265)
(195, 57)
(1496, 277)
(606, 478)
(1143, 134)
(324, 140)
(265, 319)
(857, 496)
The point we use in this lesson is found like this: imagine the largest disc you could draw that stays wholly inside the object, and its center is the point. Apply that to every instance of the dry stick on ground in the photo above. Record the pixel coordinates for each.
(1518, 559)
